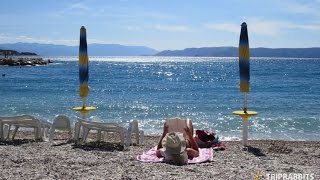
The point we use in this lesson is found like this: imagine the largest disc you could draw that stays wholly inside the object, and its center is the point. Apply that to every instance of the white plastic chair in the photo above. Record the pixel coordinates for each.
(134, 129)
(60, 122)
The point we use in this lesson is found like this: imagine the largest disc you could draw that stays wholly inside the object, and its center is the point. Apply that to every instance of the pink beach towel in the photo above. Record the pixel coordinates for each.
(205, 154)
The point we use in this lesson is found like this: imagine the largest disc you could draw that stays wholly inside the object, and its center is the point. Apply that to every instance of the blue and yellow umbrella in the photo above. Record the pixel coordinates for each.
(83, 64)
(244, 63)
(83, 73)
(83, 78)
(244, 58)
(244, 69)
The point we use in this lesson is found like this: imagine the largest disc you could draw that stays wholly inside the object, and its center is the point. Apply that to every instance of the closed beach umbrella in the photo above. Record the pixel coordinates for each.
(244, 57)
(83, 78)
(244, 64)
(83, 65)
(244, 68)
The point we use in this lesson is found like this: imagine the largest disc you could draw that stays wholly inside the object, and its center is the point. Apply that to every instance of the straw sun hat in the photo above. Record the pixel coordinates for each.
(174, 143)
(174, 149)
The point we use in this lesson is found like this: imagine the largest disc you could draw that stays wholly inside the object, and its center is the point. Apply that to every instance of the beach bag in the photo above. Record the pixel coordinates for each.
(205, 139)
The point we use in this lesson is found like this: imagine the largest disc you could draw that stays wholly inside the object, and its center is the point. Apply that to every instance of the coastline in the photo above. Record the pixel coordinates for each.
(24, 61)
(107, 160)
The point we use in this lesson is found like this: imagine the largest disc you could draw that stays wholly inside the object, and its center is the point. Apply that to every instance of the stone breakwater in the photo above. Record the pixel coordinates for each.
(24, 61)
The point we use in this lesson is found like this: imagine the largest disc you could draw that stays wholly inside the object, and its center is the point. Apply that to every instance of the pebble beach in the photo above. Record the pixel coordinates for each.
(24, 158)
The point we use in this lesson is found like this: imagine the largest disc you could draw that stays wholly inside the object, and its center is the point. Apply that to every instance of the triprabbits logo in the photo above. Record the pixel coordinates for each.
(283, 176)
(258, 175)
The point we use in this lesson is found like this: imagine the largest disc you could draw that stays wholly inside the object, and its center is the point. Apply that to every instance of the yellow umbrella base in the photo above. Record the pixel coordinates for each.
(84, 109)
(245, 114)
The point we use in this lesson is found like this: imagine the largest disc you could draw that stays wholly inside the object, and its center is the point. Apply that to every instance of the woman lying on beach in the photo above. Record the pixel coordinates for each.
(175, 148)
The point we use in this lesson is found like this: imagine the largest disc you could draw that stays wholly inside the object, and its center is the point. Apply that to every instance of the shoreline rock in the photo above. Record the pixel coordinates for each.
(24, 61)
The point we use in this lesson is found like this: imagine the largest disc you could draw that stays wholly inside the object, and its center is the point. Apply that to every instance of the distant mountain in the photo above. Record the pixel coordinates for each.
(9, 52)
(254, 52)
(121, 50)
(93, 49)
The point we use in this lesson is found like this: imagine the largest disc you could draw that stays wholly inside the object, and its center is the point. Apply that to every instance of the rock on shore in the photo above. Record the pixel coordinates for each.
(24, 61)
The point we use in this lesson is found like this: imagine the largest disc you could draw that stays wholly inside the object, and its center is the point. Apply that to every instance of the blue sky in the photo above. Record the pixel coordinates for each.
(162, 24)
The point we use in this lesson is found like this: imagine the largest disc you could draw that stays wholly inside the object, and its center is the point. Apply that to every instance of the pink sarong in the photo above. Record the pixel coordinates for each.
(205, 154)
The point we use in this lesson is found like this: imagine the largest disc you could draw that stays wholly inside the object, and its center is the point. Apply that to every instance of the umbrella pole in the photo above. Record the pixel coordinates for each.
(244, 131)
(84, 103)
(245, 102)
(245, 115)
(245, 121)
(245, 118)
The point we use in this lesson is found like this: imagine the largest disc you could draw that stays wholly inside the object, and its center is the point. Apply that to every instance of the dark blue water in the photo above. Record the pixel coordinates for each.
(285, 93)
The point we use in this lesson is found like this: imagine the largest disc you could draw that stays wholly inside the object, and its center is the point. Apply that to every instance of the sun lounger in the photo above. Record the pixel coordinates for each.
(125, 134)
(86, 126)
(27, 121)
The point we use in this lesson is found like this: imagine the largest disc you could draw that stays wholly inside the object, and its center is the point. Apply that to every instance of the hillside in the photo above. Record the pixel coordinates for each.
(254, 52)
(7, 52)
(121, 50)
(93, 49)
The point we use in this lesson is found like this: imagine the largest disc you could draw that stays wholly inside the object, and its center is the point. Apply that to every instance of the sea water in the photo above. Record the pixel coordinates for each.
(285, 92)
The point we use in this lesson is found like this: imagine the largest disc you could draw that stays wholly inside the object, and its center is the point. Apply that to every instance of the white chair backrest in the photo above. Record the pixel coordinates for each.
(61, 121)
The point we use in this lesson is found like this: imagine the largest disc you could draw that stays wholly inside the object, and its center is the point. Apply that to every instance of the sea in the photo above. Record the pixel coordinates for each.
(284, 91)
